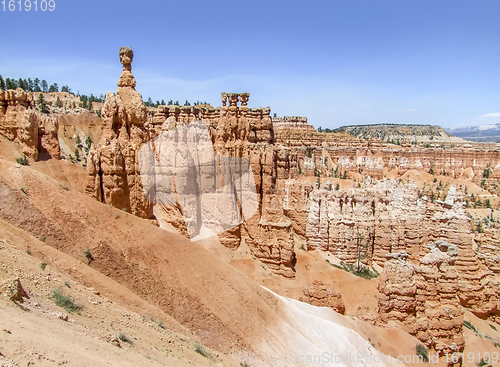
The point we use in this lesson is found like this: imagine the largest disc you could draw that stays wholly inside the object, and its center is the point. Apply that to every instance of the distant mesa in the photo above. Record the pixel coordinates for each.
(393, 132)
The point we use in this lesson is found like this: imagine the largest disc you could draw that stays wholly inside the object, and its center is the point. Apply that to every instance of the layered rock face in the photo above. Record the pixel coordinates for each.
(385, 215)
(112, 166)
(388, 217)
(292, 123)
(19, 122)
(422, 299)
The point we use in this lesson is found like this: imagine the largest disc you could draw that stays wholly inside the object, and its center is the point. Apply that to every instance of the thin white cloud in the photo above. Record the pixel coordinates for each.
(493, 114)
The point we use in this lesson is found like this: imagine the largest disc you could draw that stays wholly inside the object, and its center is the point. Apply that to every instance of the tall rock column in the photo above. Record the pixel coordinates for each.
(112, 166)
(423, 300)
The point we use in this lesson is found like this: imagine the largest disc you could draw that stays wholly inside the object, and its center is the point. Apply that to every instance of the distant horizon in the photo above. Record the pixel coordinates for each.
(337, 63)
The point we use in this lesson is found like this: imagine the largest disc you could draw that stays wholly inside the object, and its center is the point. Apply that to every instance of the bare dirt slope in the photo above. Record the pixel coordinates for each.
(36, 331)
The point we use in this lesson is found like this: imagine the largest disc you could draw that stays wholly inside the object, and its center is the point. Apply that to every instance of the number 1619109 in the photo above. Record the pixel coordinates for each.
(28, 5)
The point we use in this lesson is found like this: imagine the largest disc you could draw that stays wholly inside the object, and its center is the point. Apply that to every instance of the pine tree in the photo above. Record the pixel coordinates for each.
(41, 102)
(163, 102)
(11, 83)
(30, 85)
(2, 83)
(45, 86)
(64, 88)
(54, 88)
(36, 85)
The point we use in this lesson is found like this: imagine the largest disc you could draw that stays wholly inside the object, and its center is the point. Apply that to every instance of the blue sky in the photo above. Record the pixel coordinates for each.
(336, 62)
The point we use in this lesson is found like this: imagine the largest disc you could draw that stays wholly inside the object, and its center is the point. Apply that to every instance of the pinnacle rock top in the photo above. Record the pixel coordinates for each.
(127, 78)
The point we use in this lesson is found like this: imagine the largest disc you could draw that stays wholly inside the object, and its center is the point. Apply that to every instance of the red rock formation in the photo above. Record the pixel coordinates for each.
(48, 138)
(439, 314)
(397, 293)
(19, 122)
(112, 166)
(423, 300)
(319, 295)
(386, 215)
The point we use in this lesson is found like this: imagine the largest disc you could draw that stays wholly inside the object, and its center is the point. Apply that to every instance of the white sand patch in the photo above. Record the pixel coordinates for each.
(313, 336)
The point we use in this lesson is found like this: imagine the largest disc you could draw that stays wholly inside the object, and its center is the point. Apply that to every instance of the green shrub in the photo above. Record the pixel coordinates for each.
(423, 352)
(200, 350)
(43, 265)
(23, 161)
(493, 327)
(65, 301)
(468, 325)
(88, 255)
(124, 338)
(366, 272)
